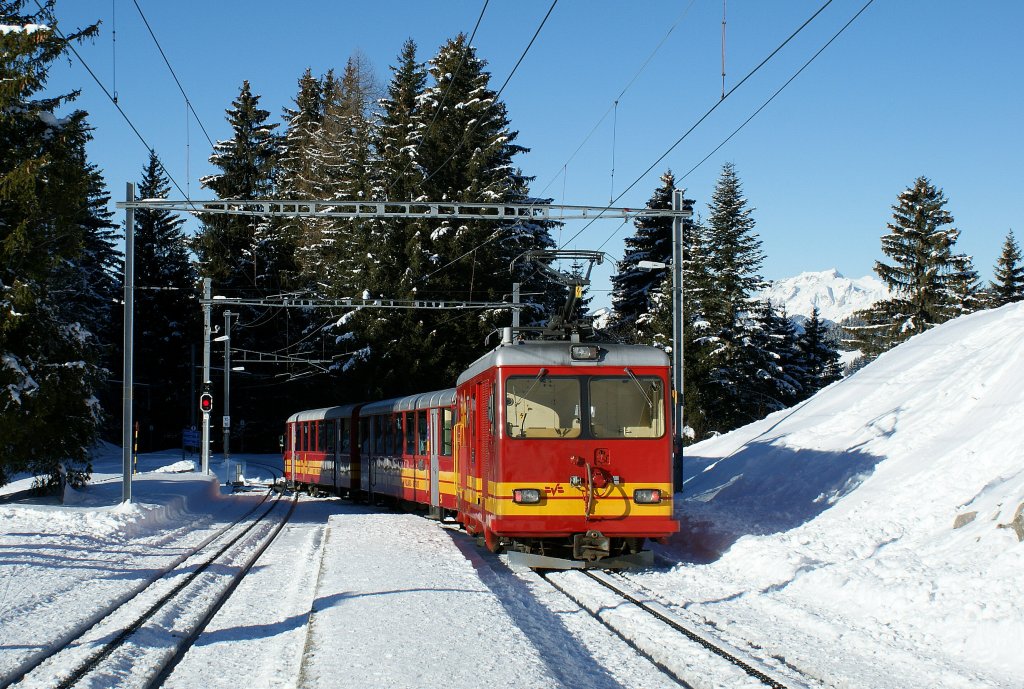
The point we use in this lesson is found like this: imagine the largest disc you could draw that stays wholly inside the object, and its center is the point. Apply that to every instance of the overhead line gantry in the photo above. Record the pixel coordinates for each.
(536, 212)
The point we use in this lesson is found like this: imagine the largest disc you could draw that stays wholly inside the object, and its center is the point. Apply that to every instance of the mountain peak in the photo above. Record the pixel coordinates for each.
(835, 296)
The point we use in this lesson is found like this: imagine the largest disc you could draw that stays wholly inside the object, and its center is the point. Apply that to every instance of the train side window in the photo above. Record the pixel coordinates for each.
(446, 432)
(365, 435)
(410, 433)
(304, 446)
(318, 435)
(378, 435)
(421, 424)
(389, 433)
(346, 436)
(330, 430)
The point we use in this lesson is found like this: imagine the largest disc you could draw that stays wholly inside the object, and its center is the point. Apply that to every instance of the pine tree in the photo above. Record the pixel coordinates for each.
(732, 258)
(1008, 285)
(931, 284)
(301, 171)
(634, 288)
(354, 173)
(401, 126)
(51, 241)
(231, 247)
(449, 142)
(820, 359)
(167, 325)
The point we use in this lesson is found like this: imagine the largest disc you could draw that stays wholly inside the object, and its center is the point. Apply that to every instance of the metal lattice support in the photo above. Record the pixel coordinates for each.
(352, 303)
(390, 209)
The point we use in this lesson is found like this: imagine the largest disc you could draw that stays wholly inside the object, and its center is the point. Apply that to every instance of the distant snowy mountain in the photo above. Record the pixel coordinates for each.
(836, 296)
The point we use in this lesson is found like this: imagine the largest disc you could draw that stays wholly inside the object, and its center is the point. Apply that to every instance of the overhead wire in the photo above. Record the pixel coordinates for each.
(493, 235)
(780, 90)
(444, 95)
(128, 120)
(469, 130)
(703, 117)
(168, 63)
(113, 100)
(618, 98)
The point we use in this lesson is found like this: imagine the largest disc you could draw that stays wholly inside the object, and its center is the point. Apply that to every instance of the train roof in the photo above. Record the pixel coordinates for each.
(323, 414)
(423, 400)
(556, 353)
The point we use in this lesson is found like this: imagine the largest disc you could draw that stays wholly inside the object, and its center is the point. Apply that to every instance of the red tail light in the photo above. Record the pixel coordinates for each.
(647, 496)
(526, 496)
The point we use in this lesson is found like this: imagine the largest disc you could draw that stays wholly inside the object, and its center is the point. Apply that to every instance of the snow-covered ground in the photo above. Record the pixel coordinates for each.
(866, 537)
(872, 534)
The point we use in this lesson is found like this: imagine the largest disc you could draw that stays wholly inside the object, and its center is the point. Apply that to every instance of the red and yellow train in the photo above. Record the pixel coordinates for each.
(556, 449)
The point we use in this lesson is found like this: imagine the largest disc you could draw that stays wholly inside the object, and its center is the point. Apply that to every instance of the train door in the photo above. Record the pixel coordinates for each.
(484, 418)
(434, 420)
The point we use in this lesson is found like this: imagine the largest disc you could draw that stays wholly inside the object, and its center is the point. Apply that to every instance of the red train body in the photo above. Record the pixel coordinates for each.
(556, 448)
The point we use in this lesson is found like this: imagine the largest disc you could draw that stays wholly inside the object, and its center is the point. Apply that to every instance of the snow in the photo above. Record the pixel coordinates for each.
(869, 537)
(835, 296)
(832, 524)
(26, 29)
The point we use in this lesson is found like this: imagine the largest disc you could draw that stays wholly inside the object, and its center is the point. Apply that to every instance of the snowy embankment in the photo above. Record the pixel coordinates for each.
(878, 523)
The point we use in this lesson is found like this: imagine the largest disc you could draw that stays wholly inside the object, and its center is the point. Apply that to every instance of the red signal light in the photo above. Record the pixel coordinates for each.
(206, 403)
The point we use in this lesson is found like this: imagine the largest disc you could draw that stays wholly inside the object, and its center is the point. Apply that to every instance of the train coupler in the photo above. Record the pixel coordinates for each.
(592, 545)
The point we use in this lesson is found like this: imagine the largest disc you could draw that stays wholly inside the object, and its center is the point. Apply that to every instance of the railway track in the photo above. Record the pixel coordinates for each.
(140, 639)
(674, 644)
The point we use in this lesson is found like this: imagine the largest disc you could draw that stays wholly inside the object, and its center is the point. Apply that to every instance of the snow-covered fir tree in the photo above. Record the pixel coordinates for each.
(820, 358)
(231, 248)
(1008, 285)
(778, 367)
(634, 288)
(732, 260)
(929, 282)
(457, 137)
(52, 239)
(168, 322)
(353, 172)
(300, 172)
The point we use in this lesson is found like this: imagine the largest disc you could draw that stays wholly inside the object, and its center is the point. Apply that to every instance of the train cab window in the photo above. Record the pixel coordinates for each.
(346, 436)
(542, 406)
(421, 435)
(446, 432)
(627, 407)
(329, 431)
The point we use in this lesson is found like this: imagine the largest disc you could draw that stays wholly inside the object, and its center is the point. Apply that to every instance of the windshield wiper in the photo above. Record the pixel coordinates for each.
(632, 376)
(522, 423)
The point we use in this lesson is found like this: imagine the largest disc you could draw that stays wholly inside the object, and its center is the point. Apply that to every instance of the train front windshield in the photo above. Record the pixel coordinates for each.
(602, 407)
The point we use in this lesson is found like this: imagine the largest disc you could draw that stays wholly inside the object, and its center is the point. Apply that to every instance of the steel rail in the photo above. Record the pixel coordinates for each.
(56, 646)
(95, 660)
(83, 668)
(604, 580)
(719, 650)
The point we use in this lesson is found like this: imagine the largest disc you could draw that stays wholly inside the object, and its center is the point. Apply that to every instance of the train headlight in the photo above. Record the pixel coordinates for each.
(584, 352)
(526, 496)
(647, 496)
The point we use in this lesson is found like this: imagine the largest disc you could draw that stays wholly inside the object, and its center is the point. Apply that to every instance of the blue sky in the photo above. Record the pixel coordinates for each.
(913, 87)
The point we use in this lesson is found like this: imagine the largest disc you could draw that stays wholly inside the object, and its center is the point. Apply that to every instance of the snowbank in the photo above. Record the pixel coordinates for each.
(844, 510)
